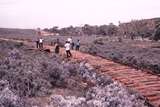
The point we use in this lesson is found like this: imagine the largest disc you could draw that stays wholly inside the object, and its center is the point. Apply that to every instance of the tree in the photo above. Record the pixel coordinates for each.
(156, 35)
(112, 29)
(54, 29)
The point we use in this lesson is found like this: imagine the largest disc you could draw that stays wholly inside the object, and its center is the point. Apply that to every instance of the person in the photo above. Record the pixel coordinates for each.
(41, 43)
(57, 47)
(72, 45)
(37, 43)
(38, 32)
(67, 48)
(69, 40)
(78, 45)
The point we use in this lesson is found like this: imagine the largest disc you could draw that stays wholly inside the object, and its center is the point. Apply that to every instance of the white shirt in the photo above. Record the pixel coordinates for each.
(67, 46)
(40, 40)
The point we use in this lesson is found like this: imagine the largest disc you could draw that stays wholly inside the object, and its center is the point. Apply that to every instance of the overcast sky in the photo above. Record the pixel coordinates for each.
(48, 13)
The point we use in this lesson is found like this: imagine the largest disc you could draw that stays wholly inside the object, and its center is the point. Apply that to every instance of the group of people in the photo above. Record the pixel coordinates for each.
(69, 45)
(39, 43)
(74, 45)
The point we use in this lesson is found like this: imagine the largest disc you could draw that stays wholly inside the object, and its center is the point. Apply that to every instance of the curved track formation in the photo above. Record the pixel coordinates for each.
(145, 83)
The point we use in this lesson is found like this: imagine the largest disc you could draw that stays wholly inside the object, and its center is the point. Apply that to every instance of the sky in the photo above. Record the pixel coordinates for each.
(63, 13)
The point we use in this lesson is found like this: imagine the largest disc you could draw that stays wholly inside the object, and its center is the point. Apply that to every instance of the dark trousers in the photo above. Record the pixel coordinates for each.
(68, 52)
(37, 44)
(72, 45)
(40, 45)
(77, 47)
(57, 49)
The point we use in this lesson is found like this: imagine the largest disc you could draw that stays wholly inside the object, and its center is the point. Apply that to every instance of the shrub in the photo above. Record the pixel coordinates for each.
(156, 35)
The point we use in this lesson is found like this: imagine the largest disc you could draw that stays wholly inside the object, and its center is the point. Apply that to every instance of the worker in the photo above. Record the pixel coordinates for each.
(57, 48)
(67, 48)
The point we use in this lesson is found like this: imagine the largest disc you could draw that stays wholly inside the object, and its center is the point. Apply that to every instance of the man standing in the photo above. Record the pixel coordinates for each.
(41, 43)
(57, 47)
(38, 33)
(78, 45)
(69, 40)
(67, 48)
(37, 43)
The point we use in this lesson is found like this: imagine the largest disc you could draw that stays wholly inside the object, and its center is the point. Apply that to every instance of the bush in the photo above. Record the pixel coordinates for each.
(98, 41)
(156, 35)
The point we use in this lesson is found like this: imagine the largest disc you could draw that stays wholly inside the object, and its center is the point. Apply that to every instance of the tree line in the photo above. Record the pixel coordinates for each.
(135, 28)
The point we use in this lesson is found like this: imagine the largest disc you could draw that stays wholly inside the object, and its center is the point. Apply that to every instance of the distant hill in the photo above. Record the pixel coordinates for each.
(18, 32)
